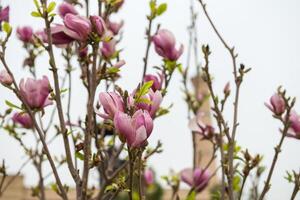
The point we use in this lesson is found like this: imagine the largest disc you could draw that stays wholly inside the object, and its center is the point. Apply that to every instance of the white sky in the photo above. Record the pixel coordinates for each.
(266, 35)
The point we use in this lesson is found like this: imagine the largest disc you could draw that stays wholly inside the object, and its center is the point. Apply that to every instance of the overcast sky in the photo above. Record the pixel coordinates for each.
(266, 35)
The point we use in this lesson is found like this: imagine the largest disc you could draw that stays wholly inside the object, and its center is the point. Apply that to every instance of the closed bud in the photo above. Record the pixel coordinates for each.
(5, 78)
(25, 34)
(277, 104)
(165, 45)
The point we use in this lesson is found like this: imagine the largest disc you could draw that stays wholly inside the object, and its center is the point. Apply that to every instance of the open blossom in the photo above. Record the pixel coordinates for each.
(66, 8)
(23, 119)
(136, 129)
(155, 98)
(25, 34)
(5, 78)
(149, 176)
(294, 130)
(59, 35)
(4, 14)
(98, 25)
(157, 81)
(36, 92)
(277, 104)
(165, 45)
(198, 126)
(77, 27)
(197, 178)
(112, 103)
(108, 49)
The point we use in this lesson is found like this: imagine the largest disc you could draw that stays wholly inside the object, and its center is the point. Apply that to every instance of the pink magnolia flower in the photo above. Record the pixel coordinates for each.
(25, 34)
(108, 49)
(77, 27)
(115, 27)
(197, 178)
(120, 63)
(294, 130)
(155, 98)
(165, 45)
(98, 25)
(66, 8)
(23, 119)
(112, 103)
(36, 92)
(59, 35)
(149, 176)
(4, 14)
(157, 81)
(277, 104)
(198, 126)
(5, 78)
(136, 129)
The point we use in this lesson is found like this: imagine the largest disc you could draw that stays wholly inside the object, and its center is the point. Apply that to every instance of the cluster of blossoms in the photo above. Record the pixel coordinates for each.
(131, 114)
(133, 129)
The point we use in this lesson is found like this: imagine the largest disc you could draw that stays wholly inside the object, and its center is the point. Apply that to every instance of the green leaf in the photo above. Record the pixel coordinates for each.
(63, 90)
(144, 100)
(143, 90)
(111, 187)
(52, 15)
(11, 105)
(191, 196)
(113, 70)
(152, 5)
(79, 155)
(236, 183)
(36, 3)
(51, 7)
(35, 14)
(161, 9)
(54, 187)
(6, 27)
(179, 67)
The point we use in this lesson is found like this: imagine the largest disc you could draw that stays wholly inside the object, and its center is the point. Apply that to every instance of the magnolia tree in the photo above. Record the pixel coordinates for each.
(112, 135)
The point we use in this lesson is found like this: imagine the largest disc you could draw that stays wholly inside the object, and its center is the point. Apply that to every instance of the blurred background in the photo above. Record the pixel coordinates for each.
(266, 35)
